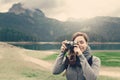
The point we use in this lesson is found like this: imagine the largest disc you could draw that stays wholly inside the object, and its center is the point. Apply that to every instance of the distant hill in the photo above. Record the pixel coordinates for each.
(20, 24)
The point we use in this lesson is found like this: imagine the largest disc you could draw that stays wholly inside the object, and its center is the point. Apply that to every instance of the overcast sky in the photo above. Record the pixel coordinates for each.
(64, 9)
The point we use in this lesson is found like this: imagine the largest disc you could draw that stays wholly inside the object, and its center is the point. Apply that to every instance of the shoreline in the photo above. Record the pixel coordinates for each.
(29, 42)
(5, 44)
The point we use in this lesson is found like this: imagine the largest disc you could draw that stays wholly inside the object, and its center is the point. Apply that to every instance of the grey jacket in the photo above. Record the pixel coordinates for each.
(85, 72)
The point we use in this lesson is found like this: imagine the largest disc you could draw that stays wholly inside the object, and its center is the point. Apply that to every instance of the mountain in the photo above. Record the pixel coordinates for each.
(18, 9)
(21, 24)
(31, 23)
(103, 29)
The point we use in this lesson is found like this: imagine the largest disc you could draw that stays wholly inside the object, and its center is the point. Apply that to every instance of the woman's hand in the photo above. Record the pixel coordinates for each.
(77, 50)
(63, 47)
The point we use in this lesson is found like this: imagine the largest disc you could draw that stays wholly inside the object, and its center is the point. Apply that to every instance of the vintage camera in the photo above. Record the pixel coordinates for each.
(72, 56)
(70, 44)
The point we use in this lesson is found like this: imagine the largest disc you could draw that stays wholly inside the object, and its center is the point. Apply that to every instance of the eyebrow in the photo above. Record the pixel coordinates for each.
(80, 40)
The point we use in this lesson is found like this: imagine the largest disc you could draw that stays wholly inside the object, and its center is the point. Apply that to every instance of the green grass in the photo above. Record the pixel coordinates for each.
(13, 67)
(109, 58)
(34, 74)
(44, 75)
(51, 57)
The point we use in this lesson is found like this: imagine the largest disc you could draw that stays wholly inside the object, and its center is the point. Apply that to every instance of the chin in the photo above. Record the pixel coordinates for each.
(82, 50)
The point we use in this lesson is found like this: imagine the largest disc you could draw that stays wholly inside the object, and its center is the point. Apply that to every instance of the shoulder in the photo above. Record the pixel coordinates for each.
(96, 59)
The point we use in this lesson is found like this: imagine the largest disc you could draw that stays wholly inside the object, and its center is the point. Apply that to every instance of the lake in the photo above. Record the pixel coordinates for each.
(56, 45)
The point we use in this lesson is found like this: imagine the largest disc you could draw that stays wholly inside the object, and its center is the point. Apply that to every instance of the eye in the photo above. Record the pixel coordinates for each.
(81, 42)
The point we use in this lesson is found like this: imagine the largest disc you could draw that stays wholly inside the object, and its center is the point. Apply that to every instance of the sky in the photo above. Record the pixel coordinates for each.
(66, 9)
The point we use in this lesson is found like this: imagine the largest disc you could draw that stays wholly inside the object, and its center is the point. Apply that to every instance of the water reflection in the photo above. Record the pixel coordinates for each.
(39, 46)
(105, 46)
(35, 46)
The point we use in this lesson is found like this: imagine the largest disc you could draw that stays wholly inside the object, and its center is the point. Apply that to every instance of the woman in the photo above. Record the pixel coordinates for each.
(79, 63)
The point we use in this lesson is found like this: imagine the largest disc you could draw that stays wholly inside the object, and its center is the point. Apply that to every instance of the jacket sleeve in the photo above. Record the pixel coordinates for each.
(59, 64)
(90, 72)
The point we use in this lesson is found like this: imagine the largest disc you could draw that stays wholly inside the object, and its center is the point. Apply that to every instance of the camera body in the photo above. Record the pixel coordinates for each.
(70, 44)
(72, 56)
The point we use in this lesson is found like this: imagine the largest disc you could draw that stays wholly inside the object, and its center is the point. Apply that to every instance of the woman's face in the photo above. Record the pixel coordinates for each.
(81, 42)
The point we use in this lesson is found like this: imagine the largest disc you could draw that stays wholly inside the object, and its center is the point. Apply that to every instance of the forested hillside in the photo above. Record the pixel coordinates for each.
(20, 24)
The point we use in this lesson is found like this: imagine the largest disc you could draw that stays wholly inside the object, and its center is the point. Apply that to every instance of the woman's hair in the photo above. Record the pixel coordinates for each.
(80, 34)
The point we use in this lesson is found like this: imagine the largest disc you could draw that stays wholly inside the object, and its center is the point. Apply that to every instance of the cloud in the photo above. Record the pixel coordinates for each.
(7, 1)
(115, 13)
(51, 8)
(63, 9)
(44, 4)
(6, 4)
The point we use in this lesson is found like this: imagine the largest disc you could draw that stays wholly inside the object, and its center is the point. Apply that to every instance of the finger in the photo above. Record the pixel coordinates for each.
(64, 41)
(63, 49)
(64, 46)
(76, 46)
(75, 49)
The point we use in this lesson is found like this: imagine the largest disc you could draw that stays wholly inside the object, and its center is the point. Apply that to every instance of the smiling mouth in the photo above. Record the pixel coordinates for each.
(82, 48)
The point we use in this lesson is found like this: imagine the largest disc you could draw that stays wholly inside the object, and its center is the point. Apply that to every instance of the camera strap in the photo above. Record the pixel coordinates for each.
(67, 61)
